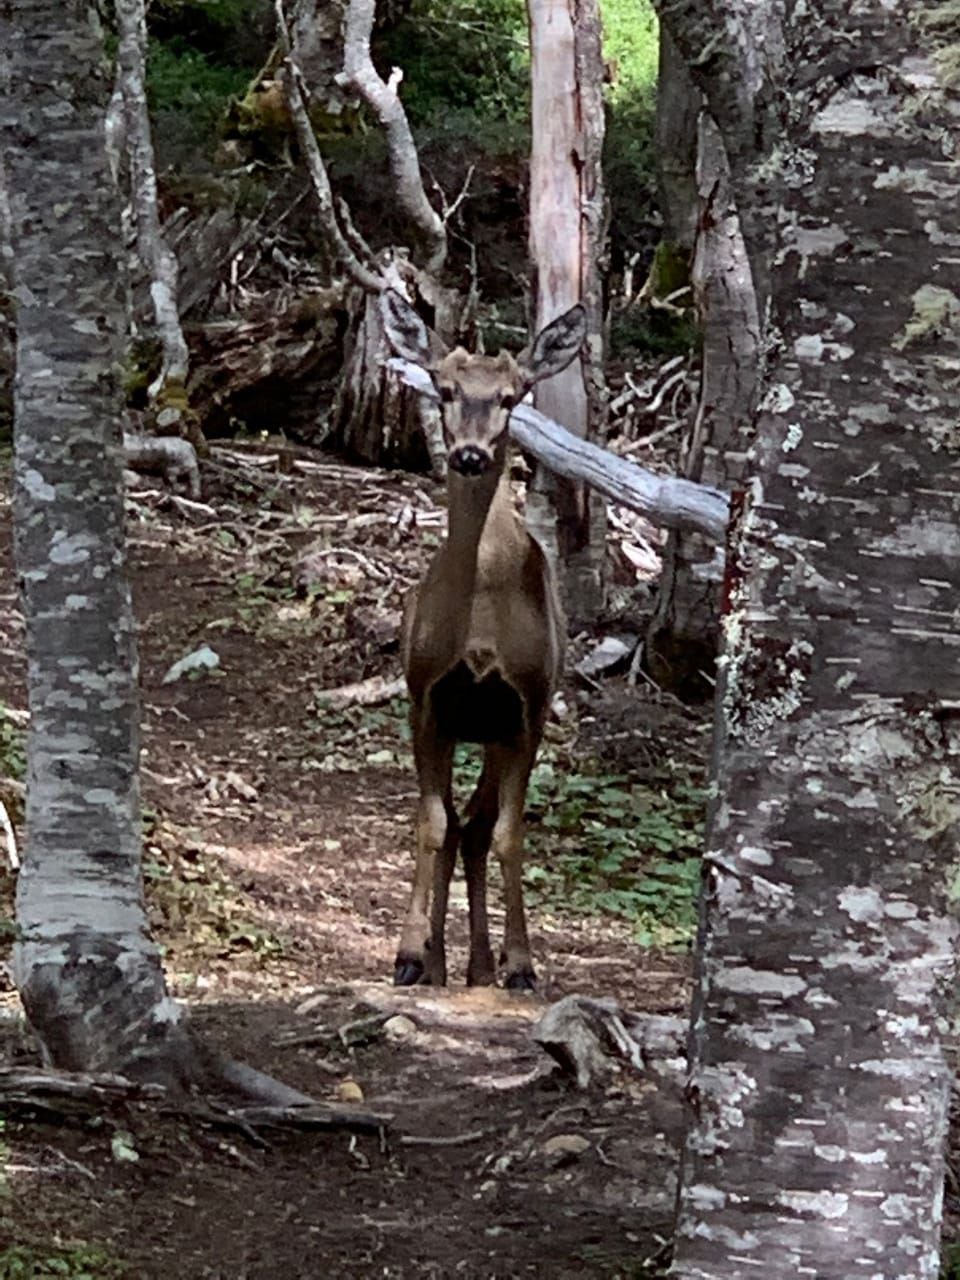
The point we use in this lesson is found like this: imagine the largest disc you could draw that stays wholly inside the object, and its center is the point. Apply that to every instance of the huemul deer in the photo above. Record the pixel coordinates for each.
(482, 647)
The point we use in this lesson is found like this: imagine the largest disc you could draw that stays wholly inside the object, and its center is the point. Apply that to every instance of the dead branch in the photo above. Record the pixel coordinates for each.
(63, 1094)
(171, 457)
(451, 1140)
(296, 94)
(589, 1038)
(360, 76)
(669, 501)
(157, 257)
(364, 693)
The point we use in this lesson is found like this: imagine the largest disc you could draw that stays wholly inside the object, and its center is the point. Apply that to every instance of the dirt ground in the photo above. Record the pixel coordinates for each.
(277, 862)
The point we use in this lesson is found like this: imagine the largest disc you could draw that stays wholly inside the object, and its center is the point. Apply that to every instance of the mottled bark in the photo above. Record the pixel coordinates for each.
(675, 140)
(819, 1084)
(88, 973)
(683, 636)
(316, 31)
(567, 234)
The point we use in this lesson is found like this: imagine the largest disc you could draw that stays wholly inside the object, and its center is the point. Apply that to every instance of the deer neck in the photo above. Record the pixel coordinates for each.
(471, 505)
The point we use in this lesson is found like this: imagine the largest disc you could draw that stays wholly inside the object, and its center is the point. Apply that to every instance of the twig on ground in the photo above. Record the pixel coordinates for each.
(364, 693)
(452, 1140)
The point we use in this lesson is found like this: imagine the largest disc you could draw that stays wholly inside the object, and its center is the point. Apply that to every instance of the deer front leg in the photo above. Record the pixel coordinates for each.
(481, 815)
(507, 843)
(421, 955)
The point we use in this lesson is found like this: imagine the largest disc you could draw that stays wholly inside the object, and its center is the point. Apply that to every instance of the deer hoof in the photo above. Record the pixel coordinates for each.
(523, 980)
(407, 971)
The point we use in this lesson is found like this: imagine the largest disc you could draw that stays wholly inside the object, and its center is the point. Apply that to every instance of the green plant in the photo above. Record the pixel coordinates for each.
(183, 80)
(600, 842)
(13, 760)
(77, 1261)
(464, 56)
(950, 1262)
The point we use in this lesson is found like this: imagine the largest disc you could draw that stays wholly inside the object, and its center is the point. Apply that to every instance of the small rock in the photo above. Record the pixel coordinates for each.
(565, 1147)
(349, 1091)
(606, 658)
(399, 1029)
(202, 659)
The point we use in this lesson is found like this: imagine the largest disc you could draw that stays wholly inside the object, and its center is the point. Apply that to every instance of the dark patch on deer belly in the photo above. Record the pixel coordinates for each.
(471, 710)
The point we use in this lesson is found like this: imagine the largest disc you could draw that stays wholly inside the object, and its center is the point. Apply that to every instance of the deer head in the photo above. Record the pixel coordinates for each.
(477, 393)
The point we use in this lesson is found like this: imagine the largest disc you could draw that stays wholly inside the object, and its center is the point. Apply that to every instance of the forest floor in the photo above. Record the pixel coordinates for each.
(277, 866)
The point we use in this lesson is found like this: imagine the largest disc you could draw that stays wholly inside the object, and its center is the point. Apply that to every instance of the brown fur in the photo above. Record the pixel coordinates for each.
(482, 645)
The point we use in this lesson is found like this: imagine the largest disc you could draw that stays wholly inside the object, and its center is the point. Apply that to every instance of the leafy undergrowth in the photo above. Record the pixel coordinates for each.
(599, 842)
(198, 911)
(74, 1261)
(13, 761)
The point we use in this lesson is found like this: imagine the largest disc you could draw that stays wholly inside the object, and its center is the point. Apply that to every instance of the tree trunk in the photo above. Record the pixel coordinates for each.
(567, 234)
(819, 1085)
(88, 973)
(683, 636)
(675, 141)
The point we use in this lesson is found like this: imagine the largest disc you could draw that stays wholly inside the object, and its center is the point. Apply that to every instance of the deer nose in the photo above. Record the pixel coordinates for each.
(470, 460)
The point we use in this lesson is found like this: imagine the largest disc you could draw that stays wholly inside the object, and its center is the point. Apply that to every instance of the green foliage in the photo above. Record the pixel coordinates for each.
(950, 1262)
(463, 58)
(201, 54)
(78, 1262)
(13, 760)
(649, 331)
(603, 843)
(185, 82)
(631, 39)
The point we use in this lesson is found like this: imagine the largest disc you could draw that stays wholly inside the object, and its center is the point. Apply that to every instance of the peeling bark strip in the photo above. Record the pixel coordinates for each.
(818, 1084)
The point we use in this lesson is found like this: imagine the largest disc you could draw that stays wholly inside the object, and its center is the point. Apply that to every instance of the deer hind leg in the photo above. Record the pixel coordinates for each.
(481, 814)
(514, 765)
(421, 955)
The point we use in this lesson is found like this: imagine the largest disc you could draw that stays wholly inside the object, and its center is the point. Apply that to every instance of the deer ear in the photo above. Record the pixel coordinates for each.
(407, 333)
(555, 345)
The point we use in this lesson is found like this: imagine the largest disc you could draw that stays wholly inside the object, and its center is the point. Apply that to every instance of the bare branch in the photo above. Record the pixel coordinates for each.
(156, 255)
(360, 76)
(297, 102)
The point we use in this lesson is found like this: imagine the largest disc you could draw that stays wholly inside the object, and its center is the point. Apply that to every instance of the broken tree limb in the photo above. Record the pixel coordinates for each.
(169, 456)
(589, 1038)
(361, 78)
(668, 501)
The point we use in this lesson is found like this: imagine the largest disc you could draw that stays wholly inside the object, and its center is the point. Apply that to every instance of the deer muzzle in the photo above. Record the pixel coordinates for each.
(470, 460)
